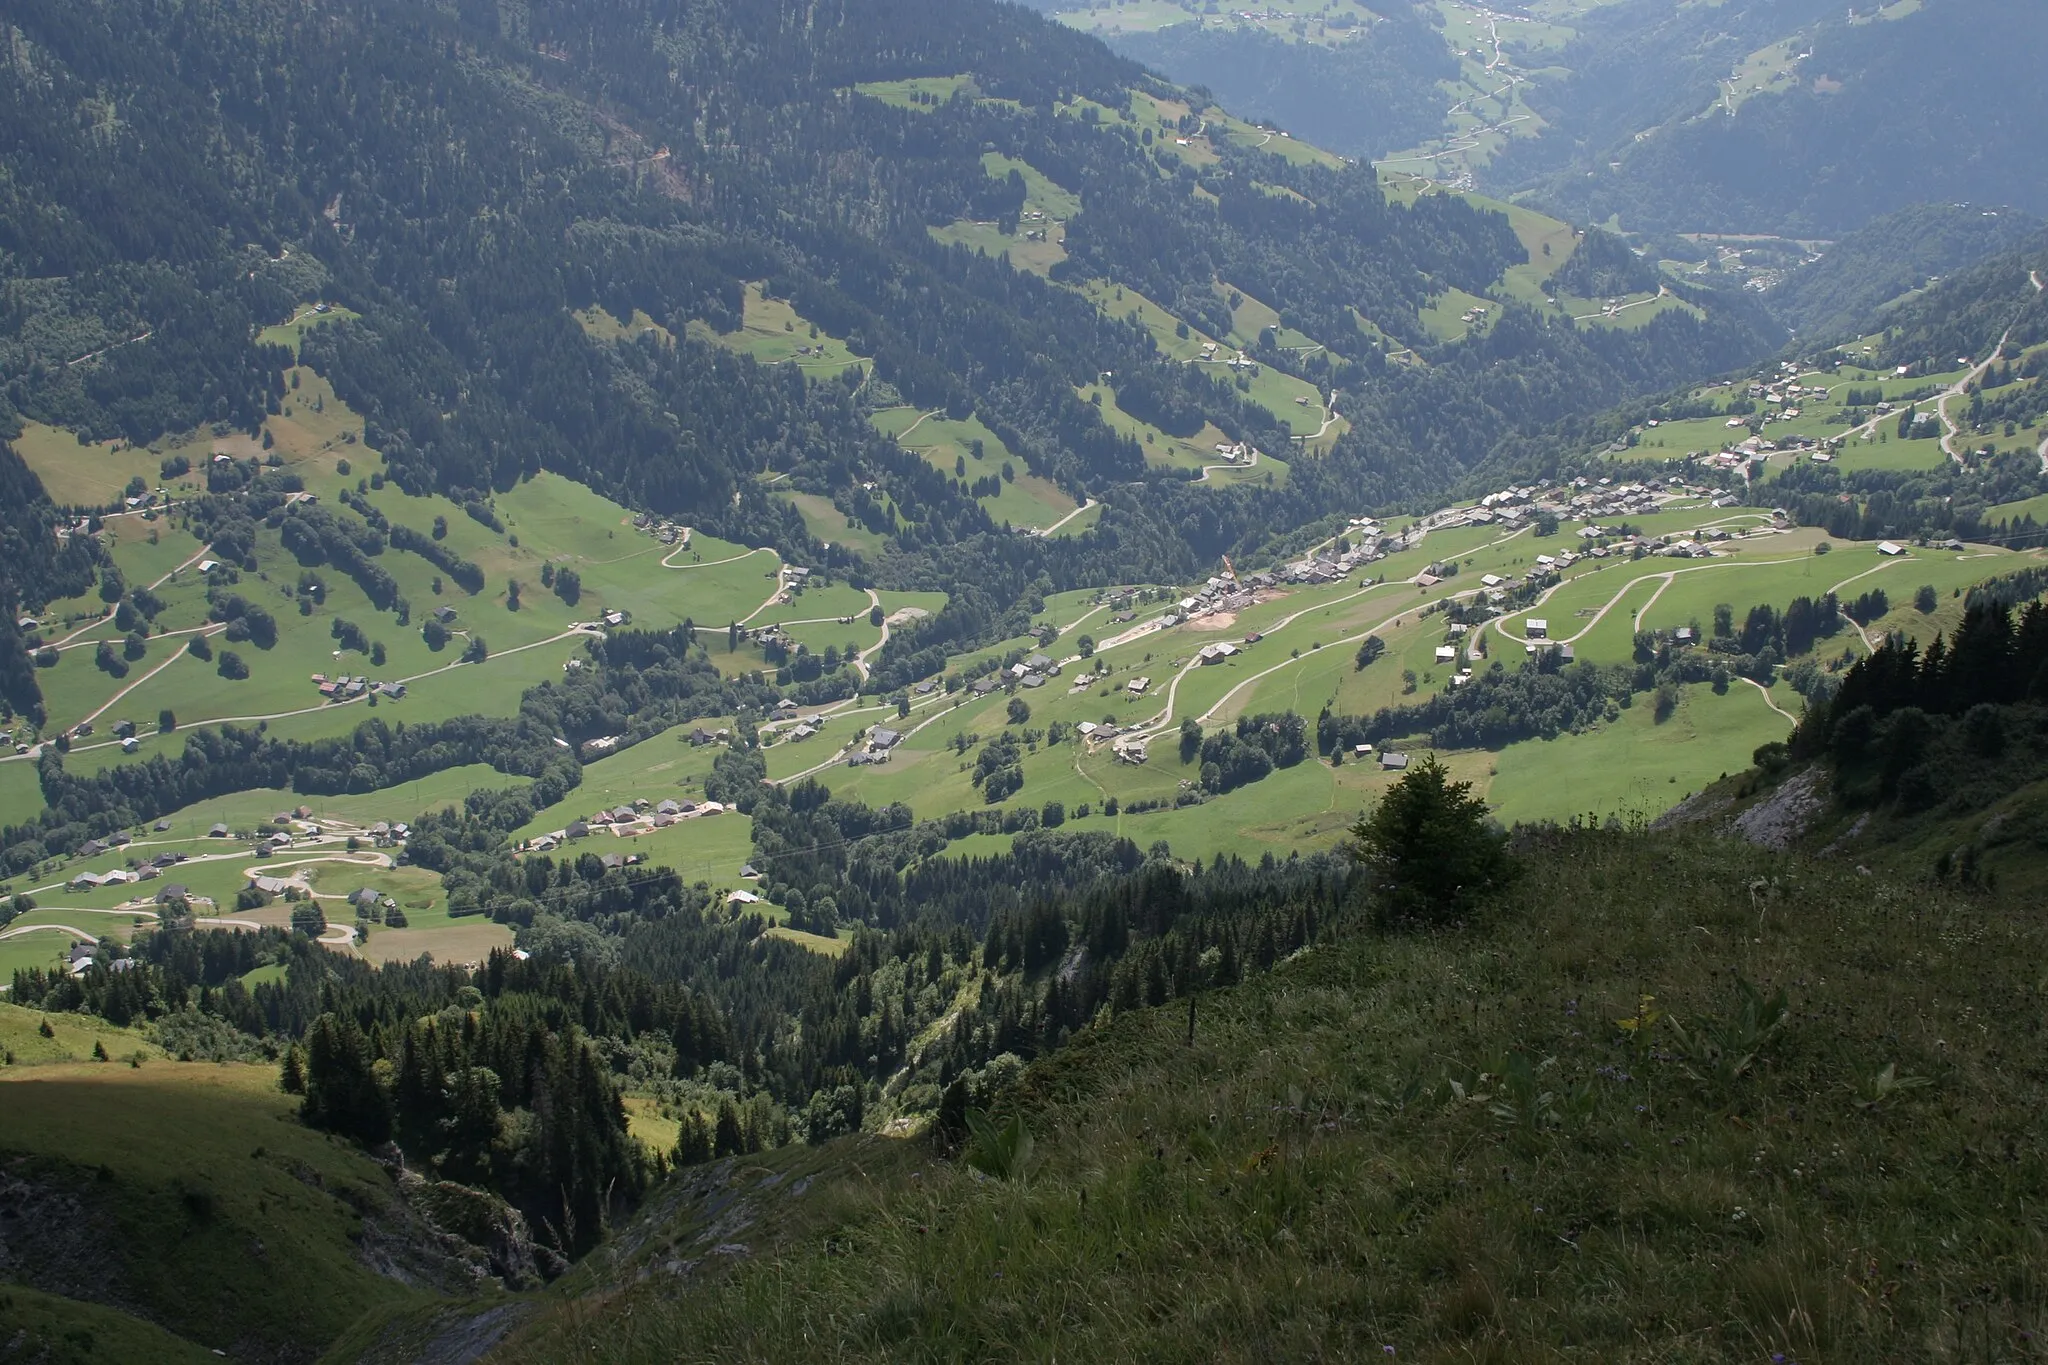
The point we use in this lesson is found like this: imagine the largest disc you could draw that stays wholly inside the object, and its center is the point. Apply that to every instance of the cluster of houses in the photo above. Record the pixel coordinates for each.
(664, 530)
(1031, 672)
(1236, 360)
(84, 956)
(640, 816)
(1127, 747)
(881, 742)
(345, 688)
(1325, 565)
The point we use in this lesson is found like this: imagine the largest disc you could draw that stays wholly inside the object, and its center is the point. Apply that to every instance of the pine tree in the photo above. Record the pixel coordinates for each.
(1430, 847)
(728, 1140)
(693, 1142)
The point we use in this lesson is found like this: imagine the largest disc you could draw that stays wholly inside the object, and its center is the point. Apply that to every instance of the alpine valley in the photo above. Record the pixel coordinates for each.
(1122, 683)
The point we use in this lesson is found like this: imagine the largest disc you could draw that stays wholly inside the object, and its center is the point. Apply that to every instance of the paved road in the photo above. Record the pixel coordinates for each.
(1949, 430)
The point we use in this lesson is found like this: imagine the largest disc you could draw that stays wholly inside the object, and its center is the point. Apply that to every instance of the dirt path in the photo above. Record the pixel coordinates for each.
(729, 559)
(1086, 503)
(94, 355)
(95, 625)
(1611, 602)
(128, 912)
(922, 418)
(1224, 700)
(1644, 610)
(75, 932)
(1499, 623)
(1766, 692)
(113, 700)
(939, 713)
(1248, 464)
(1662, 292)
(206, 629)
(383, 862)
(1861, 633)
(860, 660)
(1164, 719)
(1330, 418)
(204, 551)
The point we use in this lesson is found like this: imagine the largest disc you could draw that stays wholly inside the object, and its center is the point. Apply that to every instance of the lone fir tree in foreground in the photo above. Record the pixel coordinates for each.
(1431, 848)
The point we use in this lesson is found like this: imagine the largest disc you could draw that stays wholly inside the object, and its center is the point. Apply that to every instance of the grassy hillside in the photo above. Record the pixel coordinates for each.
(60, 1331)
(185, 1200)
(1443, 1148)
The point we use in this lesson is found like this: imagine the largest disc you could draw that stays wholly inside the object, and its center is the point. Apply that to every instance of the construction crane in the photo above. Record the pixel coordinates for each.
(1228, 569)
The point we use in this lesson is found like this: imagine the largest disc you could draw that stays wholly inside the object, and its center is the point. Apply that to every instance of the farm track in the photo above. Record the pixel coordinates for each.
(80, 934)
(111, 701)
(1766, 693)
(1086, 503)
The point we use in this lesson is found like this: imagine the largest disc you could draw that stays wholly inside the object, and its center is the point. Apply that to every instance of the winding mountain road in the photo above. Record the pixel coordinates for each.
(1949, 429)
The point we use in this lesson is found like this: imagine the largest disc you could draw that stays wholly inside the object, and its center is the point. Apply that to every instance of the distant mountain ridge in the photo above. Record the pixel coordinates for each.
(1840, 294)
(1942, 103)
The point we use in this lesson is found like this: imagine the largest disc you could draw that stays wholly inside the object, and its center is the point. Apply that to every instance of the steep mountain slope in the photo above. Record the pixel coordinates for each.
(1368, 93)
(1671, 1098)
(1840, 294)
(1793, 119)
(1968, 313)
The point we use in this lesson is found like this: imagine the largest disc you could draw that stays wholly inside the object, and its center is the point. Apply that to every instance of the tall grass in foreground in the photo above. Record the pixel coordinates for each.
(1671, 1100)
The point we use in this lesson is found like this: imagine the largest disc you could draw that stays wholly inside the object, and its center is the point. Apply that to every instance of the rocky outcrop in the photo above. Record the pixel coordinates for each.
(1783, 818)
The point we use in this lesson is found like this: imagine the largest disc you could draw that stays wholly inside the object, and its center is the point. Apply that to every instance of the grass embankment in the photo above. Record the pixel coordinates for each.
(1336, 1166)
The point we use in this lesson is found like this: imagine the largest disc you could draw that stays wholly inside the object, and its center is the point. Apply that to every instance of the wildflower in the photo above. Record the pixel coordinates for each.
(1637, 1024)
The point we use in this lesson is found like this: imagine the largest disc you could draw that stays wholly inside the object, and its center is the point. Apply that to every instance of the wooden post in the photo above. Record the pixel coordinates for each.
(1191, 1021)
